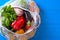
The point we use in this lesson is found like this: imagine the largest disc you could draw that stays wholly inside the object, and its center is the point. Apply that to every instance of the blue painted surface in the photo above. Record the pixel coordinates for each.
(50, 20)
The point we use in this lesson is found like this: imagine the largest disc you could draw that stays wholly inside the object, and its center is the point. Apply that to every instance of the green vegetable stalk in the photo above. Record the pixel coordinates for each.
(8, 16)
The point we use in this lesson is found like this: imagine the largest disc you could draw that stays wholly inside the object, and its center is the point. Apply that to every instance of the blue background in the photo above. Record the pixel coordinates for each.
(50, 20)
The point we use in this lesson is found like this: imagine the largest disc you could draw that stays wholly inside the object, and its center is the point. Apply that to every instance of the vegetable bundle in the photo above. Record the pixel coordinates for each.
(16, 19)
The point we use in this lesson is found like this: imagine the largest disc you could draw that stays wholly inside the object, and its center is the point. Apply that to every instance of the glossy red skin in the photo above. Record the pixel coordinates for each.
(27, 27)
(18, 23)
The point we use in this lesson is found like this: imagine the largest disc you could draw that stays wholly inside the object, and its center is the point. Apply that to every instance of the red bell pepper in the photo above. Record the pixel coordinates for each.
(18, 23)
